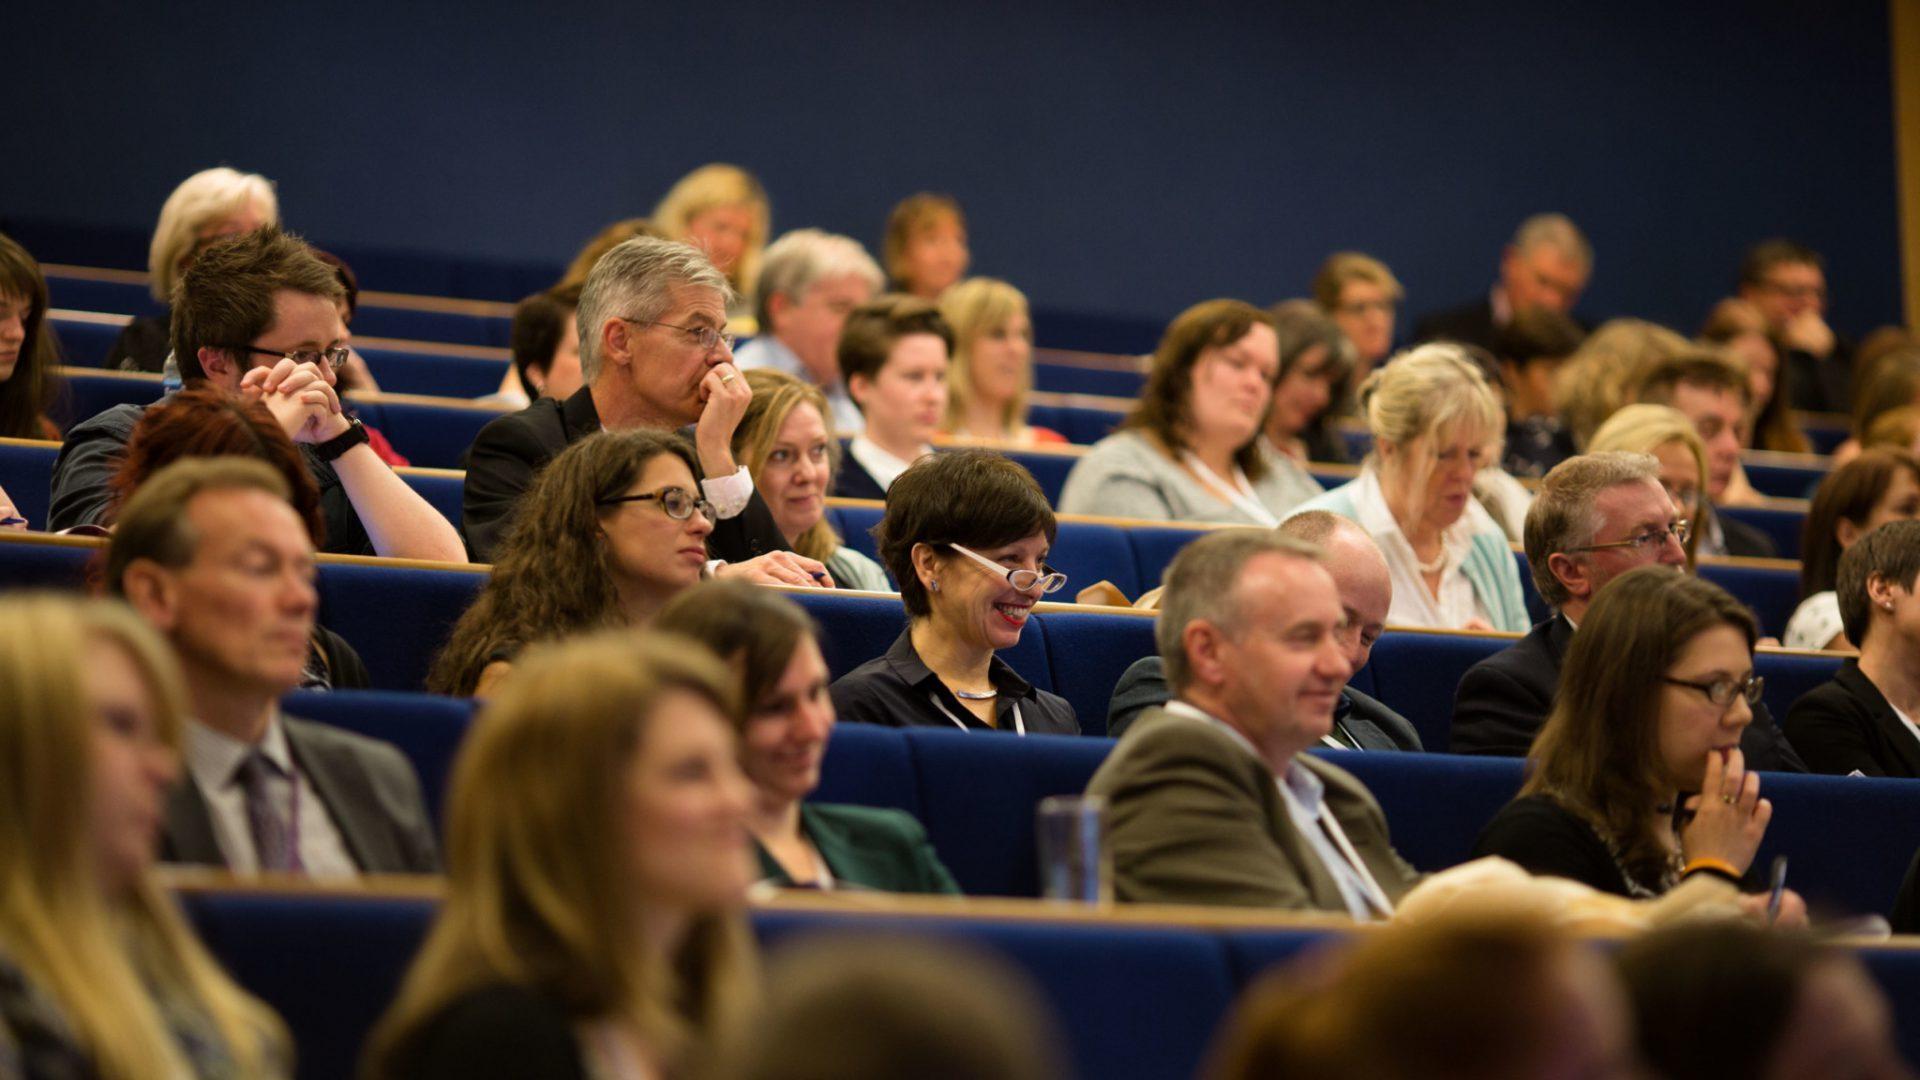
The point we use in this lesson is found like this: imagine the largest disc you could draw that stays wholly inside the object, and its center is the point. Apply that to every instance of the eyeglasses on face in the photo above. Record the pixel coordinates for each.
(706, 337)
(679, 503)
(334, 358)
(1651, 540)
(1045, 580)
(1722, 691)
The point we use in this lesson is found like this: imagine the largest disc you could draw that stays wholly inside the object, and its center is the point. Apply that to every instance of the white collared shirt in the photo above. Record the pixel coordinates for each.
(1304, 796)
(881, 465)
(1413, 605)
(212, 759)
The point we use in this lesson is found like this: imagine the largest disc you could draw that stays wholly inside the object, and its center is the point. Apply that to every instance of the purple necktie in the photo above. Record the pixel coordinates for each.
(266, 816)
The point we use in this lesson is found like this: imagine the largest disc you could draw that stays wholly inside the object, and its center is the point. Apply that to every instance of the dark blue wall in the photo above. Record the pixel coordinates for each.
(1116, 160)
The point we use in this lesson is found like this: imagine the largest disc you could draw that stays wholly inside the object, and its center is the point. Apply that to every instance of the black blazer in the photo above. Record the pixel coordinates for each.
(507, 453)
(1470, 323)
(1361, 720)
(366, 785)
(1503, 701)
(853, 481)
(1744, 540)
(1846, 725)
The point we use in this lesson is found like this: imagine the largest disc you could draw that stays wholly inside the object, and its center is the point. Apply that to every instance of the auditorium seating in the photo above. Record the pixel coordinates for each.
(1087, 373)
(427, 728)
(26, 473)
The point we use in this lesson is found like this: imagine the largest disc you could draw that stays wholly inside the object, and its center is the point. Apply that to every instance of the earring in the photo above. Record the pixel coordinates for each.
(1886, 605)
(934, 585)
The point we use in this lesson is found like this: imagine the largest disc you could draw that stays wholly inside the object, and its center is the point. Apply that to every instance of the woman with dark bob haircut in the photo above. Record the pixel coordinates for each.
(1191, 450)
(783, 717)
(1638, 780)
(966, 536)
(1861, 722)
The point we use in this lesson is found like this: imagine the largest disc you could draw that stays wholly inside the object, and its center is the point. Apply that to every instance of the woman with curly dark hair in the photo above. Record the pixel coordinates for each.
(609, 532)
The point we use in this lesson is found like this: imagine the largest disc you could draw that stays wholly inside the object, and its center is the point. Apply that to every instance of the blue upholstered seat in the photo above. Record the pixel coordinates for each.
(26, 474)
(427, 728)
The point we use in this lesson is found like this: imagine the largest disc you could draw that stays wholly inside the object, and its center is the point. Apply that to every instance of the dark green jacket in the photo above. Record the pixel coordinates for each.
(866, 847)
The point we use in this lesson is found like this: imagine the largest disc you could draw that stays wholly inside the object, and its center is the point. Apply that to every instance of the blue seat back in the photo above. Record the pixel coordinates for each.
(1087, 553)
(1072, 379)
(1049, 469)
(426, 728)
(1088, 653)
(86, 394)
(1784, 527)
(869, 765)
(1771, 592)
(114, 297)
(1848, 839)
(84, 344)
(28, 565)
(26, 474)
(430, 435)
(403, 371)
(452, 328)
(1080, 424)
(1785, 481)
(397, 618)
(1436, 804)
(1416, 675)
(443, 492)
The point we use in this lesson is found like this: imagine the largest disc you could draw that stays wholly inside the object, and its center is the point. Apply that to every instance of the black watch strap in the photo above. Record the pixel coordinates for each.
(355, 435)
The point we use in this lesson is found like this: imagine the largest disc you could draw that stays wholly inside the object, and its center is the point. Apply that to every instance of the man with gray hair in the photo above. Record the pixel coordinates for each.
(810, 281)
(1546, 265)
(655, 353)
(1361, 578)
(1211, 799)
(1595, 517)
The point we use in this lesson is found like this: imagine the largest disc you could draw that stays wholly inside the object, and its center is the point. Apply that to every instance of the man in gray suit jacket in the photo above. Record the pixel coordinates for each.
(1211, 799)
(1366, 593)
(212, 554)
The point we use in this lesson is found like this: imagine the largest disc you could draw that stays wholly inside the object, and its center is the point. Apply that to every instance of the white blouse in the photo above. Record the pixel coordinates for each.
(1413, 604)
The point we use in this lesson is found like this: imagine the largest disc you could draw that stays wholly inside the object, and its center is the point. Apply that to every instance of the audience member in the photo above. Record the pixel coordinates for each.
(211, 554)
(1890, 383)
(859, 1008)
(655, 354)
(102, 976)
(992, 370)
(1670, 437)
(1723, 1001)
(783, 718)
(786, 441)
(596, 867)
(925, 248)
(544, 341)
(1472, 997)
(1637, 778)
(1435, 425)
(611, 529)
(209, 206)
(721, 210)
(1711, 391)
(1897, 429)
(965, 536)
(1738, 327)
(1877, 487)
(1788, 283)
(354, 375)
(1366, 592)
(811, 282)
(602, 242)
(1211, 799)
(1316, 368)
(204, 422)
(1190, 450)
(1862, 723)
(1531, 350)
(28, 351)
(263, 296)
(1545, 265)
(1595, 381)
(894, 353)
(1362, 297)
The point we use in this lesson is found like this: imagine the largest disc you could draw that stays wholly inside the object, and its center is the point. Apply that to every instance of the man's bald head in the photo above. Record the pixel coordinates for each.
(1359, 575)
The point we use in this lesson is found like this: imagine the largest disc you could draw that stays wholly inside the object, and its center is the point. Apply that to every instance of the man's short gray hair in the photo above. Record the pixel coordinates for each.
(1563, 516)
(636, 281)
(1201, 583)
(1556, 231)
(794, 262)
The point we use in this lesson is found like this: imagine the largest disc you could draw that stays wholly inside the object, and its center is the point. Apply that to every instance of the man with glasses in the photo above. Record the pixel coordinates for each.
(1595, 517)
(258, 316)
(1545, 266)
(654, 353)
(1788, 283)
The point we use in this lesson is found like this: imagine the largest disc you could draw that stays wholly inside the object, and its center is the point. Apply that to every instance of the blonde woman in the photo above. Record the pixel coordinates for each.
(1593, 383)
(722, 210)
(209, 205)
(786, 440)
(597, 862)
(991, 372)
(1670, 437)
(1436, 424)
(99, 975)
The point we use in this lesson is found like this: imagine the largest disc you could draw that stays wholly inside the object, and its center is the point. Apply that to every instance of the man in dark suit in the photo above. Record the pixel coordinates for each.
(1546, 265)
(1788, 283)
(1712, 392)
(210, 552)
(1211, 799)
(655, 354)
(1594, 518)
(1366, 593)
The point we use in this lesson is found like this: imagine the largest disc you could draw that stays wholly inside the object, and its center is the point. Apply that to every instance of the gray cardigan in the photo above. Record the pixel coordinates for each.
(1125, 475)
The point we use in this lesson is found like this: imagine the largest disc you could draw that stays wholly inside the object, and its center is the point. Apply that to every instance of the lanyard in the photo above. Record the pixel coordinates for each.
(1375, 895)
(1019, 725)
(1239, 493)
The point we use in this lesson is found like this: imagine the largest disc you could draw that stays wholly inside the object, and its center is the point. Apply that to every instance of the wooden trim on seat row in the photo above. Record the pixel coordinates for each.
(368, 298)
(1098, 361)
(489, 353)
(10, 536)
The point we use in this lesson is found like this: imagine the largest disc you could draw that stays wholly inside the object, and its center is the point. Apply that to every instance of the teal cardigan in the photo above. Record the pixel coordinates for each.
(885, 850)
(1489, 565)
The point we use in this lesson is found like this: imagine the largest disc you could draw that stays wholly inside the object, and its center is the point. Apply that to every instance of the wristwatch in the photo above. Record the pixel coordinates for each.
(355, 435)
